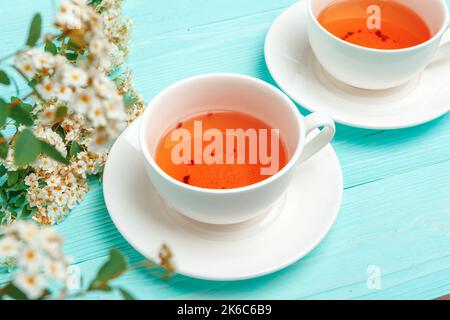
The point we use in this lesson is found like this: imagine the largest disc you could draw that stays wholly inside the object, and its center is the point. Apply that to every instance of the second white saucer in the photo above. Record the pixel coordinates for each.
(296, 224)
(294, 68)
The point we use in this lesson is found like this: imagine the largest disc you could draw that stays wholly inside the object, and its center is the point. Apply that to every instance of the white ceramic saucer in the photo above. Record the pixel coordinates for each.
(296, 224)
(294, 68)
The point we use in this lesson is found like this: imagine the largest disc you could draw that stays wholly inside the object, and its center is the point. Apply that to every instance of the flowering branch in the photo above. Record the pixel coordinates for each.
(64, 127)
(41, 271)
(57, 135)
(36, 254)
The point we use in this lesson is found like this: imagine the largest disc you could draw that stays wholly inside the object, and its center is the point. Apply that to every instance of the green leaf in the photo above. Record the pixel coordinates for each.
(27, 148)
(26, 212)
(20, 200)
(13, 176)
(60, 131)
(18, 187)
(4, 111)
(3, 150)
(74, 149)
(126, 295)
(4, 196)
(61, 112)
(3, 170)
(20, 114)
(104, 287)
(113, 268)
(12, 211)
(51, 47)
(26, 106)
(23, 173)
(127, 100)
(4, 79)
(72, 45)
(35, 30)
(32, 83)
(51, 151)
(72, 56)
(14, 292)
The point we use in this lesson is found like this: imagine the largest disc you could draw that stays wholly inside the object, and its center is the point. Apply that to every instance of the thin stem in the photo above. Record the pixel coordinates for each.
(10, 55)
(16, 86)
(48, 37)
(27, 81)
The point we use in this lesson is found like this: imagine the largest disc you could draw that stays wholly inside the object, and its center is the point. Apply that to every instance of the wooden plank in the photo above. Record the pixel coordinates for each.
(395, 214)
(386, 224)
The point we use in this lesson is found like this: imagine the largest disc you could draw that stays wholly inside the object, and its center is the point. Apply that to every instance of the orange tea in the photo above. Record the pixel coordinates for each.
(378, 24)
(221, 150)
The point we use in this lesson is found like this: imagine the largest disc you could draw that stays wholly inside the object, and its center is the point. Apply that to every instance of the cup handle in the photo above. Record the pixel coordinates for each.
(446, 37)
(314, 121)
(444, 47)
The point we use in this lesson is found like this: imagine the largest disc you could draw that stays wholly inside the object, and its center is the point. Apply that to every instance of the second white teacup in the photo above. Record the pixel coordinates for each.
(237, 93)
(374, 68)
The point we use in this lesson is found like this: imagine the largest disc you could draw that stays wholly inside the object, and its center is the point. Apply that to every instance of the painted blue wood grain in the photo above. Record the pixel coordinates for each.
(396, 209)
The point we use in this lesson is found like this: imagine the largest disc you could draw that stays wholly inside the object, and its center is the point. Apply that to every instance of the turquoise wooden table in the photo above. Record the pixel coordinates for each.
(395, 217)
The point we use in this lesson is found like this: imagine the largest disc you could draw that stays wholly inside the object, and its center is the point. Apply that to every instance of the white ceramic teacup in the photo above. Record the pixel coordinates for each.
(229, 92)
(373, 68)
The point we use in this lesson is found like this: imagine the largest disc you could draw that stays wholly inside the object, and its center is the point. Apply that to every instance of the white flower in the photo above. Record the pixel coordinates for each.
(25, 64)
(48, 193)
(55, 139)
(8, 247)
(53, 181)
(72, 199)
(47, 89)
(51, 241)
(79, 167)
(37, 261)
(97, 116)
(115, 108)
(30, 259)
(80, 193)
(70, 181)
(56, 269)
(27, 231)
(98, 46)
(31, 180)
(39, 131)
(103, 86)
(80, 3)
(61, 199)
(9, 162)
(99, 140)
(43, 60)
(53, 211)
(46, 164)
(33, 196)
(61, 64)
(83, 101)
(52, 138)
(64, 93)
(47, 115)
(73, 134)
(74, 77)
(33, 285)
(68, 16)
